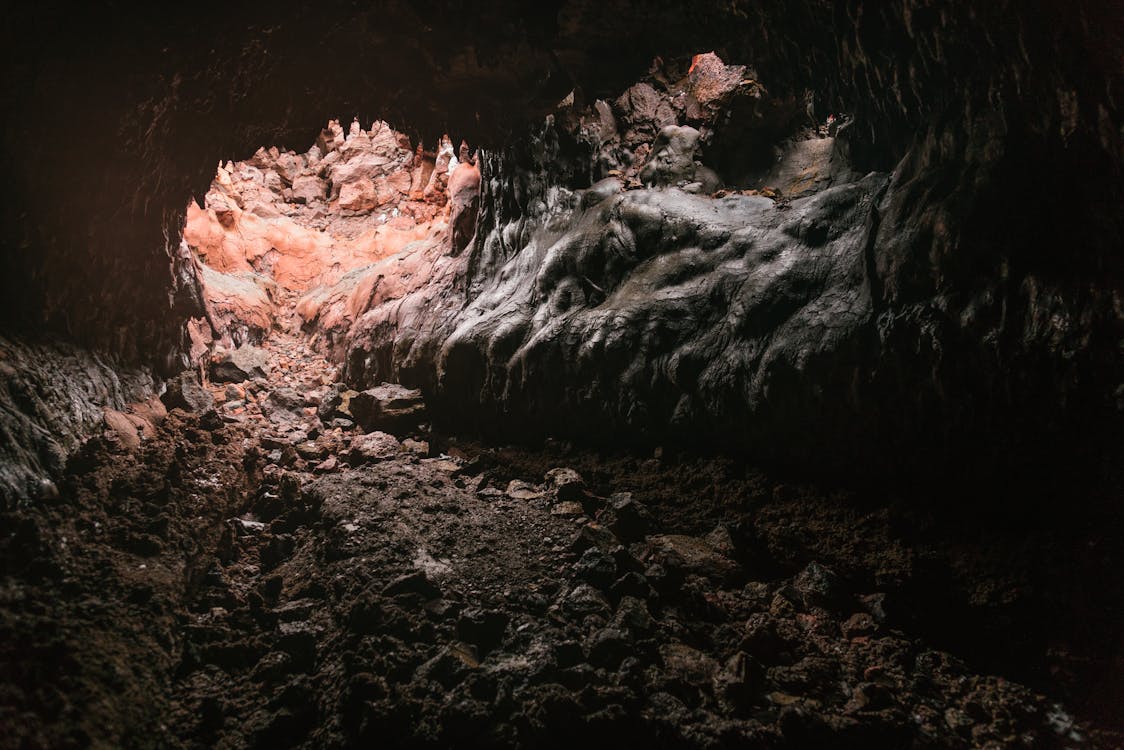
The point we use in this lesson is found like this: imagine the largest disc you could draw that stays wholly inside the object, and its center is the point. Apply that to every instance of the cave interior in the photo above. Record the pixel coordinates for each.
(471, 374)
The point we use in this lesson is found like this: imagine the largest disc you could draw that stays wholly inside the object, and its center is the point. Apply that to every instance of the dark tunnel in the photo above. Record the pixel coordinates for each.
(465, 374)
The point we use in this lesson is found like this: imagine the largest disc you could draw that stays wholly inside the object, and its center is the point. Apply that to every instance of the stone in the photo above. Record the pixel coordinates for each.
(412, 583)
(311, 450)
(517, 489)
(242, 364)
(328, 465)
(389, 407)
(859, 625)
(692, 554)
(567, 509)
(566, 484)
(184, 391)
(283, 407)
(689, 663)
(608, 647)
(583, 599)
(372, 447)
(739, 681)
(633, 615)
(359, 196)
(674, 161)
(820, 587)
(483, 628)
(308, 189)
(596, 567)
(124, 429)
(417, 447)
(625, 517)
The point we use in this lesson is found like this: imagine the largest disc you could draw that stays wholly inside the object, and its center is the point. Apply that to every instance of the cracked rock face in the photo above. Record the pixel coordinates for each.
(993, 266)
(821, 318)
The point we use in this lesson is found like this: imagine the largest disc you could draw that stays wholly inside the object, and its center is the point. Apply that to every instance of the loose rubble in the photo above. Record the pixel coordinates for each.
(347, 587)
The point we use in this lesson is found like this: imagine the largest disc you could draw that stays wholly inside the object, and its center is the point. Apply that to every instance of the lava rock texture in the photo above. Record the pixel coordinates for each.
(987, 320)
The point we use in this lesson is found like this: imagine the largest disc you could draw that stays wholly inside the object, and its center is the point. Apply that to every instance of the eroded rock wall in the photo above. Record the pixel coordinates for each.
(52, 397)
(918, 320)
(996, 257)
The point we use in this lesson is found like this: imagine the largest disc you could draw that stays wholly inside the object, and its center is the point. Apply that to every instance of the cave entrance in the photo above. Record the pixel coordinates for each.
(283, 238)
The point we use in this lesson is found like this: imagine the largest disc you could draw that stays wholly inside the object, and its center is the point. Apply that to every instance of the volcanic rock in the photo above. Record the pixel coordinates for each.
(388, 407)
(242, 364)
(184, 391)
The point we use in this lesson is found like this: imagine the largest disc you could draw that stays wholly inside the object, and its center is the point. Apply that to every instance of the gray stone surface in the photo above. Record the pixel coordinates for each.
(52, 396)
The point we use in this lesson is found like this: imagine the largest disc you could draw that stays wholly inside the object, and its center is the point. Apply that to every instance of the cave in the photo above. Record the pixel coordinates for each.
(477, 374)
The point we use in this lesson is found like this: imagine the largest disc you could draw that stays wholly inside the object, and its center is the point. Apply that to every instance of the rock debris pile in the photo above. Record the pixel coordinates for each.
(352, 577)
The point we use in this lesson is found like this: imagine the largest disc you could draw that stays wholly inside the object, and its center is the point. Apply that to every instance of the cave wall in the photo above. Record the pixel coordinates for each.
(994, 265)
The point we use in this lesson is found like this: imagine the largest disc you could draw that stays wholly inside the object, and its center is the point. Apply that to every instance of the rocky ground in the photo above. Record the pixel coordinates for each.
(286, 563)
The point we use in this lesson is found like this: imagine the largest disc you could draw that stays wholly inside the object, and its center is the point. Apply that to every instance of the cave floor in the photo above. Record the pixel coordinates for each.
(232, 585)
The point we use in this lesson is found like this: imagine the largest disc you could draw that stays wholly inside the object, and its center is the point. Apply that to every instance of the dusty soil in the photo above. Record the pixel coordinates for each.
(257, 577)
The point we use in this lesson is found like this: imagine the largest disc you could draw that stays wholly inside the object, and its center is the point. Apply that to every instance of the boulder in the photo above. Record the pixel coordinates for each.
(186, 392)
(283, 406)
(674, 161)
(244, 363)
(308, 188)
(374, 446)
(388, 407)
(359, 195)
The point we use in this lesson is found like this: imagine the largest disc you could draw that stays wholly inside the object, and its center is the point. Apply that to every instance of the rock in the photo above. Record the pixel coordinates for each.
(310, 450)
(288, 166)
(373, 446)
(566, 484)
(242, 364)
(608, 647)
(739, 682)
(586, 600)
(594, 535)
(633, 615)
(283, 407)
(517, 489)
(625, 517)
(674, 161)
(482, 627)
(184, 391)
(307, 189)
(632, 584)
(417, 447)
(820, 587)
(596, 567)
(859, 625)
(689, 663)
(359, 196)
(692, 554)
(412, 583)
(464, 199)
(151, 411)
(567, 509)
(328, 465)
(388, 407)
(123, 428)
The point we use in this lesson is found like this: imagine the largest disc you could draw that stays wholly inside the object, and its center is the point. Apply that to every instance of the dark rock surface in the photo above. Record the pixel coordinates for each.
(194, 592)
(186, 392)
(993, 263)
(388, 407)
(842, 326)
(239, 365)
(53, 395)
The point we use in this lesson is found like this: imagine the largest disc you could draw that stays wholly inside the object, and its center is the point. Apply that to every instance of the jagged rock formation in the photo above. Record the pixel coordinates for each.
(805, 329)
(53, 396)
(1000, 125)
(283, 223)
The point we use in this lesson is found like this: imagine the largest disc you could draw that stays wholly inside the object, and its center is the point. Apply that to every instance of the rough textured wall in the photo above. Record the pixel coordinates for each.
(994, 270)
